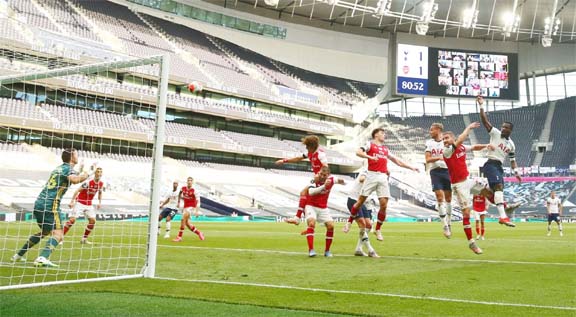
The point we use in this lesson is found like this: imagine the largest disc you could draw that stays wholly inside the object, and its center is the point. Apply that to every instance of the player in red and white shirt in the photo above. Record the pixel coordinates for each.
(480, 207)
(317, 209)
(191, 202)
(317, 158)
(81, 204)
(377, 177)
(455, 158)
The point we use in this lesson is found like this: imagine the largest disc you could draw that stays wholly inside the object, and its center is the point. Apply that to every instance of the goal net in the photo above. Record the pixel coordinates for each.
(113, 115)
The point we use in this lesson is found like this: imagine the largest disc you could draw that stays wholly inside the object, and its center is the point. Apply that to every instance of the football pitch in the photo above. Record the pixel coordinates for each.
(262, 269)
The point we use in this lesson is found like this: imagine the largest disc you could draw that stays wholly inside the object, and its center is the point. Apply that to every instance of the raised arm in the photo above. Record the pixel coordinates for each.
(74, 197)
(401, 163)
(462, 137)
(483, 116)
(362, 154)
(290, 160)
(77, 179)
(430, 159)
(479, 147)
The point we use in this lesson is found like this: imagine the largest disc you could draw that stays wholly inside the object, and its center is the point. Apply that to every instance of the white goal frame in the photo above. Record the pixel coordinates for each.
(149, 269)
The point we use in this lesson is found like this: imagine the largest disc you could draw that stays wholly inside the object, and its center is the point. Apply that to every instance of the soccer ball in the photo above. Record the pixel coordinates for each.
(195, 87)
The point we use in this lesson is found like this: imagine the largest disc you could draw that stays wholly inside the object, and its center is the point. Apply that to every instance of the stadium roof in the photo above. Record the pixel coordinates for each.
(380, 17)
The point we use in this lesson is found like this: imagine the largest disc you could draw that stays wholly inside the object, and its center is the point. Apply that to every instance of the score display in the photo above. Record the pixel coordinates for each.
(429, 71)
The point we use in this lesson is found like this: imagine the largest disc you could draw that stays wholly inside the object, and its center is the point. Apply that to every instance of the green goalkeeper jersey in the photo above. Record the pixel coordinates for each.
(55, 188)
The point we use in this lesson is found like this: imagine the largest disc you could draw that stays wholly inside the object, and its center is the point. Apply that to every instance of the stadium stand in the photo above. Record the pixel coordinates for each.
(194, 55)
(562, 135)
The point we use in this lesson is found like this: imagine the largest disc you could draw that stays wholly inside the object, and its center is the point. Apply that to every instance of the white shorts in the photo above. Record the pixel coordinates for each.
(189, 210)
(477, 214)
(462, 192)
(83, 210)
(376, 182)
(321, 215)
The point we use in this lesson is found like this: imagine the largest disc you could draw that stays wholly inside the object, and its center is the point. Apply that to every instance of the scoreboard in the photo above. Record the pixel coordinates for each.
(429, 71)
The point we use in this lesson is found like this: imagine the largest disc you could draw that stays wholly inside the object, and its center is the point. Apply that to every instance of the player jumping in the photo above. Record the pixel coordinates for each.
(191, 201)
(363, 218)
(47, 209)
(554, 208)
(317, 209)
(81, 204)
(377, 155)
(169, 209)
(439, 176)
(455, 158)
(502, 146)
(317, 158)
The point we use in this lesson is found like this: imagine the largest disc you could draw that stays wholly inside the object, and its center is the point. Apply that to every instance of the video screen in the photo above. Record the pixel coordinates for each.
(459, 73)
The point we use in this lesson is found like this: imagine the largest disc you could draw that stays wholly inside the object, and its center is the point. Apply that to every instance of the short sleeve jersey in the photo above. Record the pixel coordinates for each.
(56, 186)
(503, 147)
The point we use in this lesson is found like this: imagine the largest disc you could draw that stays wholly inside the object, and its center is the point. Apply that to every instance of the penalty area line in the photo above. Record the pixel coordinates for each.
(397, 257)
(322, 290)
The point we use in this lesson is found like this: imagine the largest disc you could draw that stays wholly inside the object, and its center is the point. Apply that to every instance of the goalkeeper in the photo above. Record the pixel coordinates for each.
(47, 208)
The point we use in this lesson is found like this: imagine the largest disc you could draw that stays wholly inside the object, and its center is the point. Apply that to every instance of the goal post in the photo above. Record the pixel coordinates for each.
(114, 115)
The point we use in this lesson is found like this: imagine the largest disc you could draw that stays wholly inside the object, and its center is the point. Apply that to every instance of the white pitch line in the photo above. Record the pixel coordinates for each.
(442, 299)
(385, 256)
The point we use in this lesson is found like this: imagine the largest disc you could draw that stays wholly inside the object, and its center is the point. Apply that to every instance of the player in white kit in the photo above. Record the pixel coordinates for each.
(554, 207)
(169, 208)
(501, 146)
(439, 175)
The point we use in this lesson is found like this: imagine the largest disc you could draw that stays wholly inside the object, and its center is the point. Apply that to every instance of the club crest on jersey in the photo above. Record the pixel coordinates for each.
(437, 152)
(503, 147)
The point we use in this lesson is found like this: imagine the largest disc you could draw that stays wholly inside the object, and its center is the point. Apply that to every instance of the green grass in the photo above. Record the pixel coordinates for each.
(261, 269)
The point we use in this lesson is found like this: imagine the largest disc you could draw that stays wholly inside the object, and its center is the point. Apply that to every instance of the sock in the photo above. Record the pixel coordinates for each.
(89, 228)
(366, 240)
(51, 244)
(168, 225)
(67, 226)
(499, 200)
(359, 244)
(194, 229)
(448, 218)
(381, 219)
(482, 231)
(442, 209)
(329, 238)
(560, 227)
(477, 228)
(549, 228)
(350, 219)
(310, 238)
(32, 241)
(181, 231)
(467, 228)
(301, 206)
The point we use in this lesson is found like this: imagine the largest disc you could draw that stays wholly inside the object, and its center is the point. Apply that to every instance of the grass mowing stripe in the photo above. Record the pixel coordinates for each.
(384, 256)
(442, 299)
